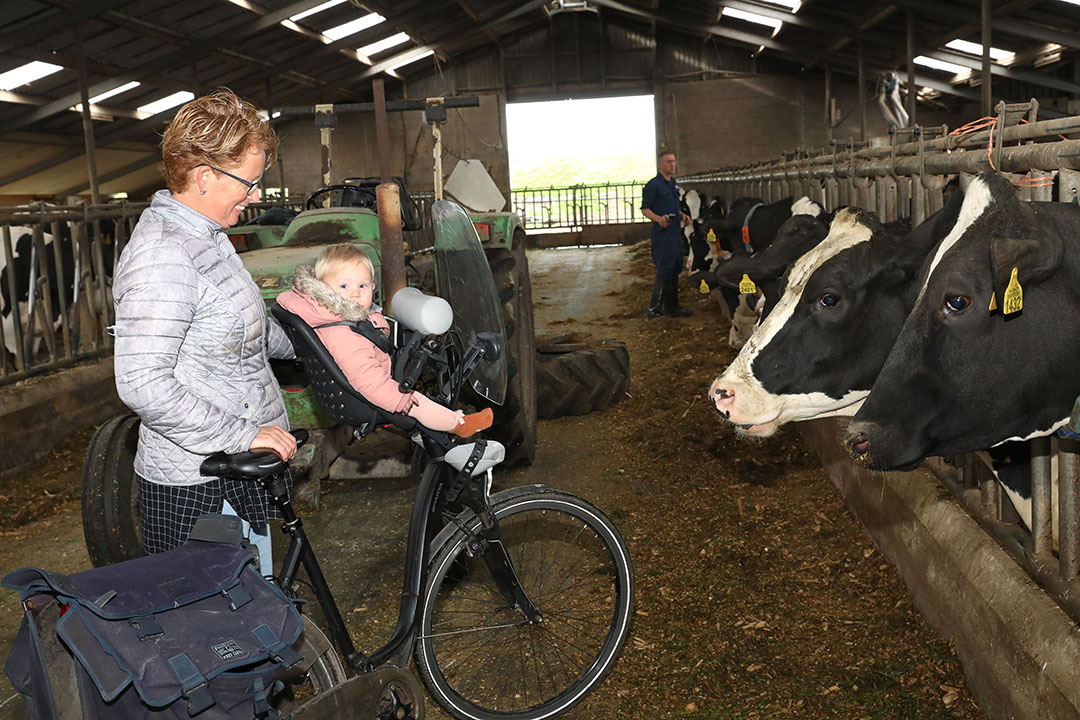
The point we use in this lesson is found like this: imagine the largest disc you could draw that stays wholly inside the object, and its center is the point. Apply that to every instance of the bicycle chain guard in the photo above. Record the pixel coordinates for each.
(389, 693)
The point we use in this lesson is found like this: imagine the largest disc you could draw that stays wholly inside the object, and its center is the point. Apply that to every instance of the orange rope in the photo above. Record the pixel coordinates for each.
(981, 123)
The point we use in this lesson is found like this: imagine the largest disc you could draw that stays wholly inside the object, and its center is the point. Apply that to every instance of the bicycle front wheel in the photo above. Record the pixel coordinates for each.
(480, 658)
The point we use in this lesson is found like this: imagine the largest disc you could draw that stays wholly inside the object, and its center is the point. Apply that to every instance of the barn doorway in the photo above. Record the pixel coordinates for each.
(573, 142)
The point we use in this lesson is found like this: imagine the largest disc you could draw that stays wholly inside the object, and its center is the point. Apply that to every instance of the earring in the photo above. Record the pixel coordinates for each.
(202, 192)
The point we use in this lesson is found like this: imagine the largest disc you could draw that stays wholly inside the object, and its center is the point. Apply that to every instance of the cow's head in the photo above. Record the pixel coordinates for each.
(819, 350)
(796, 237)
(962, 377)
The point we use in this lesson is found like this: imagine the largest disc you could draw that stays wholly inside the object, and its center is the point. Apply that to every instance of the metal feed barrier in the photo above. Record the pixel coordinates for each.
(576, 206)
(905, 178)
(32, 341)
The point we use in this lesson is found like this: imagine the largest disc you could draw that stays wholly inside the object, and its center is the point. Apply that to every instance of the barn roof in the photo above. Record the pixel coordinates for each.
(301, 52)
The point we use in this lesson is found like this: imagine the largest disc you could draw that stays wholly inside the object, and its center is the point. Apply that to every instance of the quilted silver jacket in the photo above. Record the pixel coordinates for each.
(193, 343)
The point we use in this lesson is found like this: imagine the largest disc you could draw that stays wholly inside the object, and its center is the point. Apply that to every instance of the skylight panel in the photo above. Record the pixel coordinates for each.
(317, 9)
(996, 54)
(385, 44)
(792, 5)
(165, 103)
(354, 26)
(754, 18)
(940, 64)
(115, 91)
(410, 60)
(27, 73)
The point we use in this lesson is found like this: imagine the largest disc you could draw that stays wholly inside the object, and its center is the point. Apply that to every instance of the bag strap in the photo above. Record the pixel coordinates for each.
(365, 329)
(146, 626)
(193, 687)
(237, 595)
(278, 650)
(262, 708)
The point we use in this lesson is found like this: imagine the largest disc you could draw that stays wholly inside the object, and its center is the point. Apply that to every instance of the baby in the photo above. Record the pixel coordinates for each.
(341, 287)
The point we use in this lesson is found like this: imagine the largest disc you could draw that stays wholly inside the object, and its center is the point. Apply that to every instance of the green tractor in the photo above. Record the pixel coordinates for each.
(271, 253)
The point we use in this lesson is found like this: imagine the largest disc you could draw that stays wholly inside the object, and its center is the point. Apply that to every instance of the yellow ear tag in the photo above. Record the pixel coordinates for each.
(993, 302)
(747, 286)
(1013, 301)
(711, 237)
(703, 288)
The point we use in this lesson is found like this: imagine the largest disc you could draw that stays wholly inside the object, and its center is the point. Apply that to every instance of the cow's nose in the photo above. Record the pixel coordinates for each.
(858, 445)
(724, 398)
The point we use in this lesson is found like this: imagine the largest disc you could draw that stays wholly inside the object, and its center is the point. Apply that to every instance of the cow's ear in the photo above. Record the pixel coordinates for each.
(1035, 259)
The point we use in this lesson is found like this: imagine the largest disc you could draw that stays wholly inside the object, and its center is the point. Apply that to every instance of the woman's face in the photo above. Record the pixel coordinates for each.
(226, 197)
(353, 282)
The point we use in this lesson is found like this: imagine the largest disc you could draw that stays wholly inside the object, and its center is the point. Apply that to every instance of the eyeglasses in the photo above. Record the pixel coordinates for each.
(251, 186)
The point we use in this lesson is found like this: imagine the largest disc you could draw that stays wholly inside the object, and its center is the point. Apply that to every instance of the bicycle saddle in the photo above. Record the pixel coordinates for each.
(494, 453)
(250, 464)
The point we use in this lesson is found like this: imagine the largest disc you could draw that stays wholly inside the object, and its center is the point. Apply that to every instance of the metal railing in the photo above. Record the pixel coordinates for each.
(56, 268)
(62, 290)
(575, 206)
(906, 179)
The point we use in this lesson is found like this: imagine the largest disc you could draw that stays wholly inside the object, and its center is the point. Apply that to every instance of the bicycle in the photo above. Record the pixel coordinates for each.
(516, 609)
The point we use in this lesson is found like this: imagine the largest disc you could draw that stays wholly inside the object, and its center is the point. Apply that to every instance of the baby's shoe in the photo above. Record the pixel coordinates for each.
(474, 423)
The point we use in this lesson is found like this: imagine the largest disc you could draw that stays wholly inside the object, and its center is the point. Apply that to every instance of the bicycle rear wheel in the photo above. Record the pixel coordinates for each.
(479, 657)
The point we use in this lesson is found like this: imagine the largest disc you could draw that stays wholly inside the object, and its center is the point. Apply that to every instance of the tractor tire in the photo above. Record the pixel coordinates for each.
(515, 421)
(110, 503)
(575, 381)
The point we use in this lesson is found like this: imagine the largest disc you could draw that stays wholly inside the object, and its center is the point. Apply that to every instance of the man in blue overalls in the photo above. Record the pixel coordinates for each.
(660, 203)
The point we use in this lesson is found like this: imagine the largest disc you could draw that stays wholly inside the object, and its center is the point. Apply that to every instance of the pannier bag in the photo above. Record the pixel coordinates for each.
(193, 632)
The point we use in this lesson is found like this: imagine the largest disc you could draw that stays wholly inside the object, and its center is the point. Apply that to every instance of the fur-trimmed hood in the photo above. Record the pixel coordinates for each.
(305, 283)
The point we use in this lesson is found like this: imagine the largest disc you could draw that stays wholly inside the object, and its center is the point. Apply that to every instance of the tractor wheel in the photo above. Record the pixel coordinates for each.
(515, 420)
(578, 377)
(110, 504)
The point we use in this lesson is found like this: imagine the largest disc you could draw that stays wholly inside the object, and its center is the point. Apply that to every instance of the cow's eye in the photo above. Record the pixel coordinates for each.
(956, 303)
(829, 300)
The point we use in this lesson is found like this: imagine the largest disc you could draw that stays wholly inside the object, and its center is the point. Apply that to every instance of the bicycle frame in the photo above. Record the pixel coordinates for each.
(398, 648)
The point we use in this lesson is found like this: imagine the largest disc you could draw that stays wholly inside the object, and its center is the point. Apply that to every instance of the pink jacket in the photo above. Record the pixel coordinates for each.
(366, 367)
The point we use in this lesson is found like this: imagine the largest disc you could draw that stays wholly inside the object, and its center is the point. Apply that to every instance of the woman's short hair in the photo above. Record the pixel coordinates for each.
(216, 129)
(335, 256)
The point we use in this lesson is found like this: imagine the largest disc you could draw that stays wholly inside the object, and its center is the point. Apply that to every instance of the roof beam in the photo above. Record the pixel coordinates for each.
(1026, 76)
(963, 14)
(35, 29)
(239, 28)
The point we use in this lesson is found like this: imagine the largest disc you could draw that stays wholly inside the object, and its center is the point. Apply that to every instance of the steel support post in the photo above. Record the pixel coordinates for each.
(1041, 521)
(1068, 507)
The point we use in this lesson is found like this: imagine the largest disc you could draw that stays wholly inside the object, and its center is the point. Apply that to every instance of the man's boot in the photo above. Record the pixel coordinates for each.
(669, 301)
(655, 309)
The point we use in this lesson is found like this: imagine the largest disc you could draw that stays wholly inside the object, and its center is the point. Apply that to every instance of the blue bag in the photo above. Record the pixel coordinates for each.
(193, 632)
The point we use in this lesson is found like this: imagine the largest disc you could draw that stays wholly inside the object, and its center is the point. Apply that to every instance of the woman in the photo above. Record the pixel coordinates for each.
(193, 340)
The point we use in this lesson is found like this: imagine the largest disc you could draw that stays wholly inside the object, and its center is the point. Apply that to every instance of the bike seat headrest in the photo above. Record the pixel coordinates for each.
(426, 314)
(459, 455)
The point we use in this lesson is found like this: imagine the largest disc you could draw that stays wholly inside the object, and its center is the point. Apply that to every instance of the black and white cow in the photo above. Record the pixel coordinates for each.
(24, 271)
(962, 377)
(818, 351)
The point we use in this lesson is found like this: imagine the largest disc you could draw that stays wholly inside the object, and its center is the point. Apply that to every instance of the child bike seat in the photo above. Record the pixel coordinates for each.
(338, 398)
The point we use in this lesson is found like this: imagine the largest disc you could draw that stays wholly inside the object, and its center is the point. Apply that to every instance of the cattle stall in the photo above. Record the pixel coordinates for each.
(906, 176)
(56, 269)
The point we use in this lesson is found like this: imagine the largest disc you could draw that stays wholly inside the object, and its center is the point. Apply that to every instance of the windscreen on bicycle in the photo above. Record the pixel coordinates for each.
(464, 280)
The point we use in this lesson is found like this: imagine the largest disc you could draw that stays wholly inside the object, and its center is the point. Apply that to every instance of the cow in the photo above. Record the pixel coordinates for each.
(24, 272)
(977, 363)
(791, 239)
(818, 351)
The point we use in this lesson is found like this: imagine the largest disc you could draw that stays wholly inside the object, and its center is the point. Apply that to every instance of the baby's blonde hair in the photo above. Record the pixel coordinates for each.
(335, 256)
